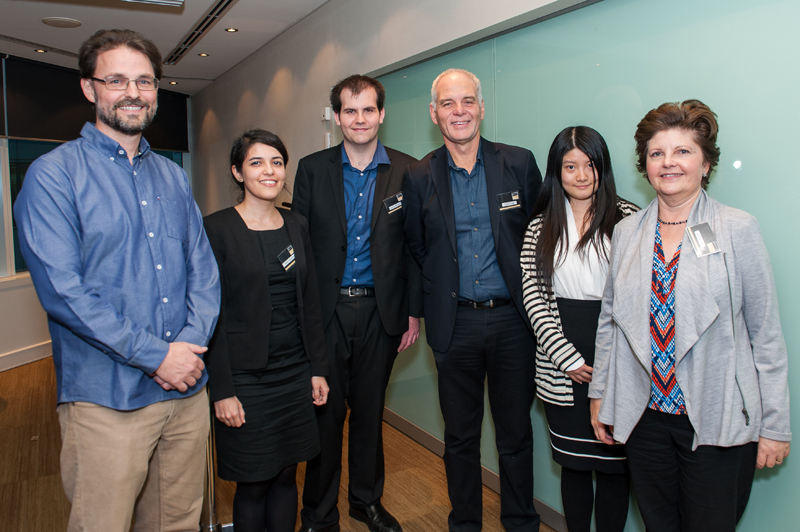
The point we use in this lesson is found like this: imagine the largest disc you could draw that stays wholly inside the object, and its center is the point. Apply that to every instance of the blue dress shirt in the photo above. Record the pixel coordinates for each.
(479, 275)
(121, 264)
(359, 191)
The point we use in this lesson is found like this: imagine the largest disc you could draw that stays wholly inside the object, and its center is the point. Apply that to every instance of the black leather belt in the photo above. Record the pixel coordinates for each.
(489, 303)
(358, 291)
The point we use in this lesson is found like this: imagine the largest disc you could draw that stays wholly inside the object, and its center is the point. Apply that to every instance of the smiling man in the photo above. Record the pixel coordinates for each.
(467, 205)
(122, 266)
(370, 291)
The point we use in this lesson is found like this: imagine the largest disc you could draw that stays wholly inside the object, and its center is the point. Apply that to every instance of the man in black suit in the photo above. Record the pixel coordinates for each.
(371, 299)
(467, 205)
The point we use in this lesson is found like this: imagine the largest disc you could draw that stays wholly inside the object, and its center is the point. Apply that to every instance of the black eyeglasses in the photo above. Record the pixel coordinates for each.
(119, 83)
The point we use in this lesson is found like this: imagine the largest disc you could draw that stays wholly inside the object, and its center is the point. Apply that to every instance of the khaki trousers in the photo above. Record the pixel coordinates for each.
(148, 462)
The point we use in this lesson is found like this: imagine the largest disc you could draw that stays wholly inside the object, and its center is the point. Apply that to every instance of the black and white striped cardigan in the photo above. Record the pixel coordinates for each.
(554, 353)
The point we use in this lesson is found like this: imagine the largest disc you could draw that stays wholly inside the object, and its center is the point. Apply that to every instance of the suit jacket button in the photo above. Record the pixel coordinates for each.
(453, 294)
(455, 259)
(344, 248)
(336, 280)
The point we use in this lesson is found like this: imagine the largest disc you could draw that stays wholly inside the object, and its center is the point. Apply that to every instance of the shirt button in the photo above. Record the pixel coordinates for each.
(360, 193)
(158, 266)
(165, 300)
(476, 255)
(144, 202)
(358, 238)
(151, 235)
(475, 229)
(168, 334)
(362, 173)
(121, 152)
(354, 280)
(134, 173)
(355, 260)
(476, 282)
(472, 204)
(359, 216)
(111, 158)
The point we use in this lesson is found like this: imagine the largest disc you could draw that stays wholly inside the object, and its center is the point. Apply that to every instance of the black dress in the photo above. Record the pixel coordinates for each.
(572, 438)
(280, 426)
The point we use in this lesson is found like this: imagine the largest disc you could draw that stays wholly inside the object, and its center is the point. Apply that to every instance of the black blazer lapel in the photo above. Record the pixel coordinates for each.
(493, 165)
(247, 241)
(336, 179)
(440, 174)
(296, 239)
(384, 174)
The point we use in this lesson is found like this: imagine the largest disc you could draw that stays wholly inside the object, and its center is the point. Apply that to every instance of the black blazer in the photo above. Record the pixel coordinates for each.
(431, 233)
(241, 339)
(319, 196)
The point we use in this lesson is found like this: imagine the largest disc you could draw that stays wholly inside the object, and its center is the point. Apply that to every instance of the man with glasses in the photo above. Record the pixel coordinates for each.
(121, 263)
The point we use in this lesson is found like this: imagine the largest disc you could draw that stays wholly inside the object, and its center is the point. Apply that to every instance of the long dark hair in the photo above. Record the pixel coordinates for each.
(552, 199)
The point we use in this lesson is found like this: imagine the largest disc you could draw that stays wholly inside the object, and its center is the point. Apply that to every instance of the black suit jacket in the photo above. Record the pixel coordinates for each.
(431, 233)
(241, 339)
(319, 196)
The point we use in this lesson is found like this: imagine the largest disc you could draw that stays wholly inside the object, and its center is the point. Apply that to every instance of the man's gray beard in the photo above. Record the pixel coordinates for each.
(113, 121)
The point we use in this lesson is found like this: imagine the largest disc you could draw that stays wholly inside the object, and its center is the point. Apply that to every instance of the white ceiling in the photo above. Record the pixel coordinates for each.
(258, 22)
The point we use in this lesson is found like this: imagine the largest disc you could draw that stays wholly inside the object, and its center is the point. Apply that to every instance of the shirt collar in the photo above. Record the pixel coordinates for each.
(106, 144)
(380, 157)
(478, 159)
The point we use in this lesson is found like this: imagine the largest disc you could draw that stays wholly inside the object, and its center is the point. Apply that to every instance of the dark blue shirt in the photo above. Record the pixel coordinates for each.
(121, 264)
(359, 190)
(480, 278)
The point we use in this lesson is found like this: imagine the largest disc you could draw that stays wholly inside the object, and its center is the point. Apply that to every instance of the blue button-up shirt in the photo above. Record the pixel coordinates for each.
(121, 264)
(359, 190)
(480, 278)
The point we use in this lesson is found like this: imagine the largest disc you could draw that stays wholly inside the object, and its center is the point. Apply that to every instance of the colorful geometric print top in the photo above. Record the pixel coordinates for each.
(665, 393)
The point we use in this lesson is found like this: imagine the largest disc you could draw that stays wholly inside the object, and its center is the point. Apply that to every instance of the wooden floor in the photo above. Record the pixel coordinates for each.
(32, 499)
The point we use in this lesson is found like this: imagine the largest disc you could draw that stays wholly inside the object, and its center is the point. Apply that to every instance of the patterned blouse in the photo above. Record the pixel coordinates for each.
(665, 393)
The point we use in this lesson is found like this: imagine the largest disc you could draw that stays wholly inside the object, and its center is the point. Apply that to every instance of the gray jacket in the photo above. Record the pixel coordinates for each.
(730, 356)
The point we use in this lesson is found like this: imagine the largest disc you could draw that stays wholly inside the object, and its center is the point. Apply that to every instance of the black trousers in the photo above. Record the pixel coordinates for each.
(493, 343)
(683, 490)
(361, 358)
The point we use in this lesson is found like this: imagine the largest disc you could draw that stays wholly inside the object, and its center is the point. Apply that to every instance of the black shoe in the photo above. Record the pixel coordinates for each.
(377, 518)
(331, 528)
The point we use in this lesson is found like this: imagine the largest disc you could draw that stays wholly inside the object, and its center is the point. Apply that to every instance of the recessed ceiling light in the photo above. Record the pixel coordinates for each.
(173, 82)
(40, 51)
(203, 55)
(61, 22)
(173, 3)
(231, 30)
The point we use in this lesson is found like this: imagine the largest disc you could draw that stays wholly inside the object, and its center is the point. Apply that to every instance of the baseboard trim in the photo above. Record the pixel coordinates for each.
(550, 516)
(26, 355)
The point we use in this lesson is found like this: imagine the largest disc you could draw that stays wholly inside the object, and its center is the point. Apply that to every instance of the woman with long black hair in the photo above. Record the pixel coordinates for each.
(564, 267)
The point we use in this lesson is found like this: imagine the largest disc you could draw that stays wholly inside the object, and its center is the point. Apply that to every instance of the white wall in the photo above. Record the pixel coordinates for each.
(23, 323)
(284, 86)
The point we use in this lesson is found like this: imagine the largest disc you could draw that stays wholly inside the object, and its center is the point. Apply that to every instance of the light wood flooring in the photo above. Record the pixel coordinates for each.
(32, 499)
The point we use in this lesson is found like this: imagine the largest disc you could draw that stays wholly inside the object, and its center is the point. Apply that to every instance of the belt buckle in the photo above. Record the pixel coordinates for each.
(350, 292)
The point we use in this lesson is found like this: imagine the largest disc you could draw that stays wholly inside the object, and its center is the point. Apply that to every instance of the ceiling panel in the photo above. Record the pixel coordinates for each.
(258, 22)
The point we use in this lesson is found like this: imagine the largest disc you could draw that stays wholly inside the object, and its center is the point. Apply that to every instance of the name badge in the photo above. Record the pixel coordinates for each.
(509, 200)
(394, 203)
(286, 257)
(703, 239)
